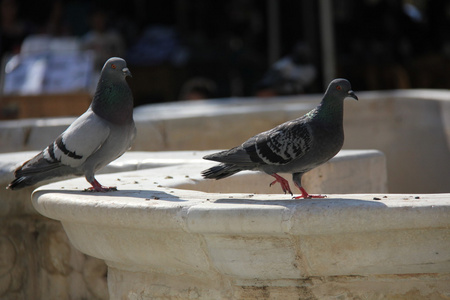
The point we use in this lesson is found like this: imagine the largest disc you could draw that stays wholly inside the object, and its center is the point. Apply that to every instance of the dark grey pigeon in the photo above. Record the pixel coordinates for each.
(102, 134)
(294, 147)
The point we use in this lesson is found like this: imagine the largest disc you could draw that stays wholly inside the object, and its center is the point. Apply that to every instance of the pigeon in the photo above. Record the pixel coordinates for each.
(100, 135)
(295, 147)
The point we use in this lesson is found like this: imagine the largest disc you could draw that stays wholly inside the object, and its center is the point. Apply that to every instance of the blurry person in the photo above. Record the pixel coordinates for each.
(198, 88)
(290, 75)
(104, 41)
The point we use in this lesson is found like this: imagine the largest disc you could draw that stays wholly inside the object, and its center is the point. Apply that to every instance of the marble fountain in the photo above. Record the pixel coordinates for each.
(382, 232)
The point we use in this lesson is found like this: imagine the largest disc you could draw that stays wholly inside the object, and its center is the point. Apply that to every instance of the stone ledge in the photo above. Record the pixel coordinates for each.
(169, 209)
(350, 171)
(239, 238)
(160, 175)
(361, 212)
(152, 234)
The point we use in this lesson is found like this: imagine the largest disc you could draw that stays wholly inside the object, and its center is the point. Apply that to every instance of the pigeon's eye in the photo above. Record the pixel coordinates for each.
(113, 66)
(339, 88)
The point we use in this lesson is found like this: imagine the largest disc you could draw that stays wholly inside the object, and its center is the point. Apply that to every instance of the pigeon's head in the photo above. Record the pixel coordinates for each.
(341, 89)
(116, 66)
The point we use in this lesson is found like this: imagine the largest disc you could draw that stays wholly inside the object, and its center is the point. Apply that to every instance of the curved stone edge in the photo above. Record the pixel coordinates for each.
(160, 183)
(151, 231)
(169, 209)
(244, 237)
(338, 175)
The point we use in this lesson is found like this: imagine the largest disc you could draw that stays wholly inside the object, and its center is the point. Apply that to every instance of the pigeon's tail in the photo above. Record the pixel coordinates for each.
(24, 181)
(19, 183)
(36, 170)
(220, 171)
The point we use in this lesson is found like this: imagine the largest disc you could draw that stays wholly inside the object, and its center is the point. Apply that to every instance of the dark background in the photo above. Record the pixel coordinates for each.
(378, 44)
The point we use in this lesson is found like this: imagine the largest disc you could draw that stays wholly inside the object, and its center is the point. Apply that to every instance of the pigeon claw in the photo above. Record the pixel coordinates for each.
(97, 187)
(305, 195)
(310, 197)
(283, 182)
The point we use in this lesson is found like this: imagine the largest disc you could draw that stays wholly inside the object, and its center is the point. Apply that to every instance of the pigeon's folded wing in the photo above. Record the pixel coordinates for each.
(280, 145)
(85, 136)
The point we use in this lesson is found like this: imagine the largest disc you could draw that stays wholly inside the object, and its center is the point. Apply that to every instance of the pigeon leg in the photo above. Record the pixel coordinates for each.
(297, 178)
(97, 187)
(305, 194)
(283, 182)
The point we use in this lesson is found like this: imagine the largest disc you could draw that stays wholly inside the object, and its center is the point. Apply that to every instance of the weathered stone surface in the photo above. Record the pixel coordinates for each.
(37, 262)
(408, 125)
(52, 268)
(30, 134)
(145, 286)
(160, 241)
(411, 133)
(351, 171)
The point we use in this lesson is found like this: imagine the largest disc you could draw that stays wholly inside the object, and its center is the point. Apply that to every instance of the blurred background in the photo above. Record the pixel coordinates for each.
(187, 50)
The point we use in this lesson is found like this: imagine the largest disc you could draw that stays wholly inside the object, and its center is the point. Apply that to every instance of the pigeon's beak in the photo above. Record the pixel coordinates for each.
(352, 94)
(126, 72)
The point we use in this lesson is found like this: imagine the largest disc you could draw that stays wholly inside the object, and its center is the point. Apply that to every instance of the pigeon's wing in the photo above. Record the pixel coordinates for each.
(83, 137)
(277, 146)
(281, 145)
(69, 151)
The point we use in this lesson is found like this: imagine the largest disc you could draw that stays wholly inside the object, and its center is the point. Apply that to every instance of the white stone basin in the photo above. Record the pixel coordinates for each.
(411, 127)
(161, 241)
(183, 246)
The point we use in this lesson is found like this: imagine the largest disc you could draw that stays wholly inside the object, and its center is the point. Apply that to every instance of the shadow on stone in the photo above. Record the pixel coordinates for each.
(143, 194)
(322, 203)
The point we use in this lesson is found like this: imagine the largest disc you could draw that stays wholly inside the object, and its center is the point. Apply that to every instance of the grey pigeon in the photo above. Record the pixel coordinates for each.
(100, 135)
(294, 147)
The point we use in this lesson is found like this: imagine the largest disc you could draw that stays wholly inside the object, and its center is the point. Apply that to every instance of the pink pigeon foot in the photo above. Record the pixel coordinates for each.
(283, 182)
(305, 195)
(97, 187)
